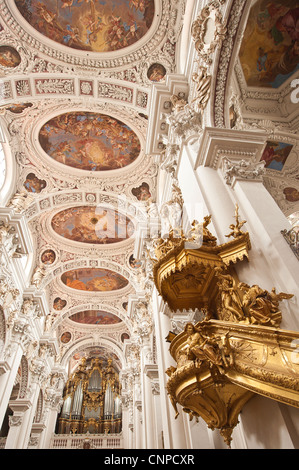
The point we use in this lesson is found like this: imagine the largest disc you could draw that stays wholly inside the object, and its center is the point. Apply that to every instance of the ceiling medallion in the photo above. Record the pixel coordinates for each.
(95, 26)
(89, 141)
(92, 224)
(94, 280)
(95, 317)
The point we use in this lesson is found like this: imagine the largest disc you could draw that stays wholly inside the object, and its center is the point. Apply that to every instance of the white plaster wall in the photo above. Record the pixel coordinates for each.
(264, 426)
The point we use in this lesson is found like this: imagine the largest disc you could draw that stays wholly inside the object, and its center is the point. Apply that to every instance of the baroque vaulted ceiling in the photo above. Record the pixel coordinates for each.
(76, 94)
(77, 78)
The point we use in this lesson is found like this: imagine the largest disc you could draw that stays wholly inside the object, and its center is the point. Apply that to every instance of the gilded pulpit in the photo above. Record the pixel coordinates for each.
(238, 349)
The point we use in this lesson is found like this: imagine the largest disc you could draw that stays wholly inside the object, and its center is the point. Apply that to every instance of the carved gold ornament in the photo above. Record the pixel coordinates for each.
(185, 267)
(221, 365)
(238, 349)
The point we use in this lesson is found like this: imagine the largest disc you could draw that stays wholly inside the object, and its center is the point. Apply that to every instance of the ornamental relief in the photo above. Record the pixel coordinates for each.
(86, 346)
(40, 167)
(112, 308)
(53, 232)
(43, 277)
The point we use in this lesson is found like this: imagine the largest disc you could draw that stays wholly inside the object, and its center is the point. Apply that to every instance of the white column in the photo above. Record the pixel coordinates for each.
(271, 261)
(173, 429)
(21, 440)
(154, 426)
(138, 438)
(50, 424)
(126, 432)
(148, 413)
(16, 428)
(7, 379)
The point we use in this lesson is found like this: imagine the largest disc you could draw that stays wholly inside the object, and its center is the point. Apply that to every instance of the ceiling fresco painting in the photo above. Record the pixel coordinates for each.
(96, 225)
(66, 337)
(33, 184)
(59, 303)
(90, 25)
(291, 194)
(156, 73)
(18, 108)
(269, 52)
(142, 193)
(275, 155)
(9, 57)
(94, 280)
(89, 141)
(95, 317)
(48, 257)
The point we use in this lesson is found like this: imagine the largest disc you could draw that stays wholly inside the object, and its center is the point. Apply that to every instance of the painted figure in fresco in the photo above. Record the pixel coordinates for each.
(135, 264)
(33, 184)
(65, 337)
(275, 155)
(156, 73)
(9, 57)
(87, 224)
(142, 193)
(18, 108)
(261, 61)
(291, 194)
(101, 280)
(48, 257)
(95, 317)
(59, 303)
(272, 31)
(89, 141)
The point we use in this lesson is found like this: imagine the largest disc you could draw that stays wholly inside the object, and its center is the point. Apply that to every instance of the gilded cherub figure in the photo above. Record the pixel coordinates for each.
(200, 347)
(263, 306)
(236, 228)
(229, 297)
(208, 238)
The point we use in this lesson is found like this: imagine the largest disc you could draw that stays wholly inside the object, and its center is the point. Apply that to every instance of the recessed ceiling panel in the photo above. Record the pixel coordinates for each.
(95, 317)
(98, 225)
(94, 280)
(89, 141)
(90, 25)
(269, 50)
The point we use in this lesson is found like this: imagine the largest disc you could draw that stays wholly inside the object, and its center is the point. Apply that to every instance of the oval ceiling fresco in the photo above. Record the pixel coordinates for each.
(95, 317)
(89, 141)
(94, 280)
(98, 225)
(90, 25)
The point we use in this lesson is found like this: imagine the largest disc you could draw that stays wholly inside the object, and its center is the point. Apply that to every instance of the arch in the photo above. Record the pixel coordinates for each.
(92, 306)
(59, 200)
(89, 342)
(56, 273)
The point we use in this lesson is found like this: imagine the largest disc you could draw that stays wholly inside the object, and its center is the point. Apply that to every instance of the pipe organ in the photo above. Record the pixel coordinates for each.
(91, 400)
